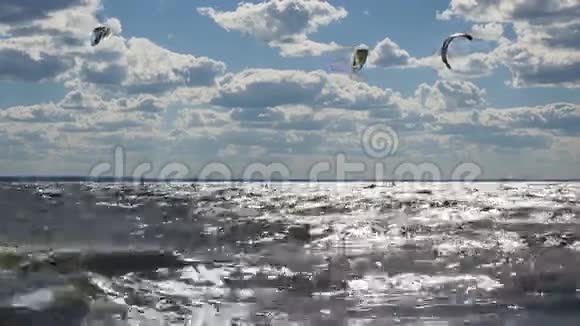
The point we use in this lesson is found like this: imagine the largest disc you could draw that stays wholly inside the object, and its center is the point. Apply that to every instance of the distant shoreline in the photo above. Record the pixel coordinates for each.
(5, 179)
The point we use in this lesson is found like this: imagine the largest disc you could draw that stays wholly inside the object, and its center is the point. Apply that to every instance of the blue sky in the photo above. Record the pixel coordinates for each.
(192, 83)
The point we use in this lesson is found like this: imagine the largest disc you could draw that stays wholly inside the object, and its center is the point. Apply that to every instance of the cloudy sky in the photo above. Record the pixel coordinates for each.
(183, 84)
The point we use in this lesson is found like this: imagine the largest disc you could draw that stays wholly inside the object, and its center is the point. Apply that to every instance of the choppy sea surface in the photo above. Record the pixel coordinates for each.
(289, 254)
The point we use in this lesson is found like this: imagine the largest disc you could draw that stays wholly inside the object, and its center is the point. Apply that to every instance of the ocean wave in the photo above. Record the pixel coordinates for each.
(329, 253)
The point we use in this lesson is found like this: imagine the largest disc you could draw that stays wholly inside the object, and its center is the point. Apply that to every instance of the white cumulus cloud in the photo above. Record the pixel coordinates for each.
(283, 24)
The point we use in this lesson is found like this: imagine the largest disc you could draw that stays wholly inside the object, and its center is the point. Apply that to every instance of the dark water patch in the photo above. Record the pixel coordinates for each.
(72, 315)
(556, 239)
(108, 263)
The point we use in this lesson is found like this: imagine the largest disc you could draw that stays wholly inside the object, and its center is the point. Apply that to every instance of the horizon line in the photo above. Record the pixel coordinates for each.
(57, 178)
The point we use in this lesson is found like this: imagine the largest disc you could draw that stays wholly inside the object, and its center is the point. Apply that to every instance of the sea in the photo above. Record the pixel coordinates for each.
(289, 253)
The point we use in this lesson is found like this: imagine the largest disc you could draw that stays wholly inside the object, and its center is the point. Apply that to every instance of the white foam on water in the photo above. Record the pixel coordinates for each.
(415, 283)
(37, 300)
(502, 241)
